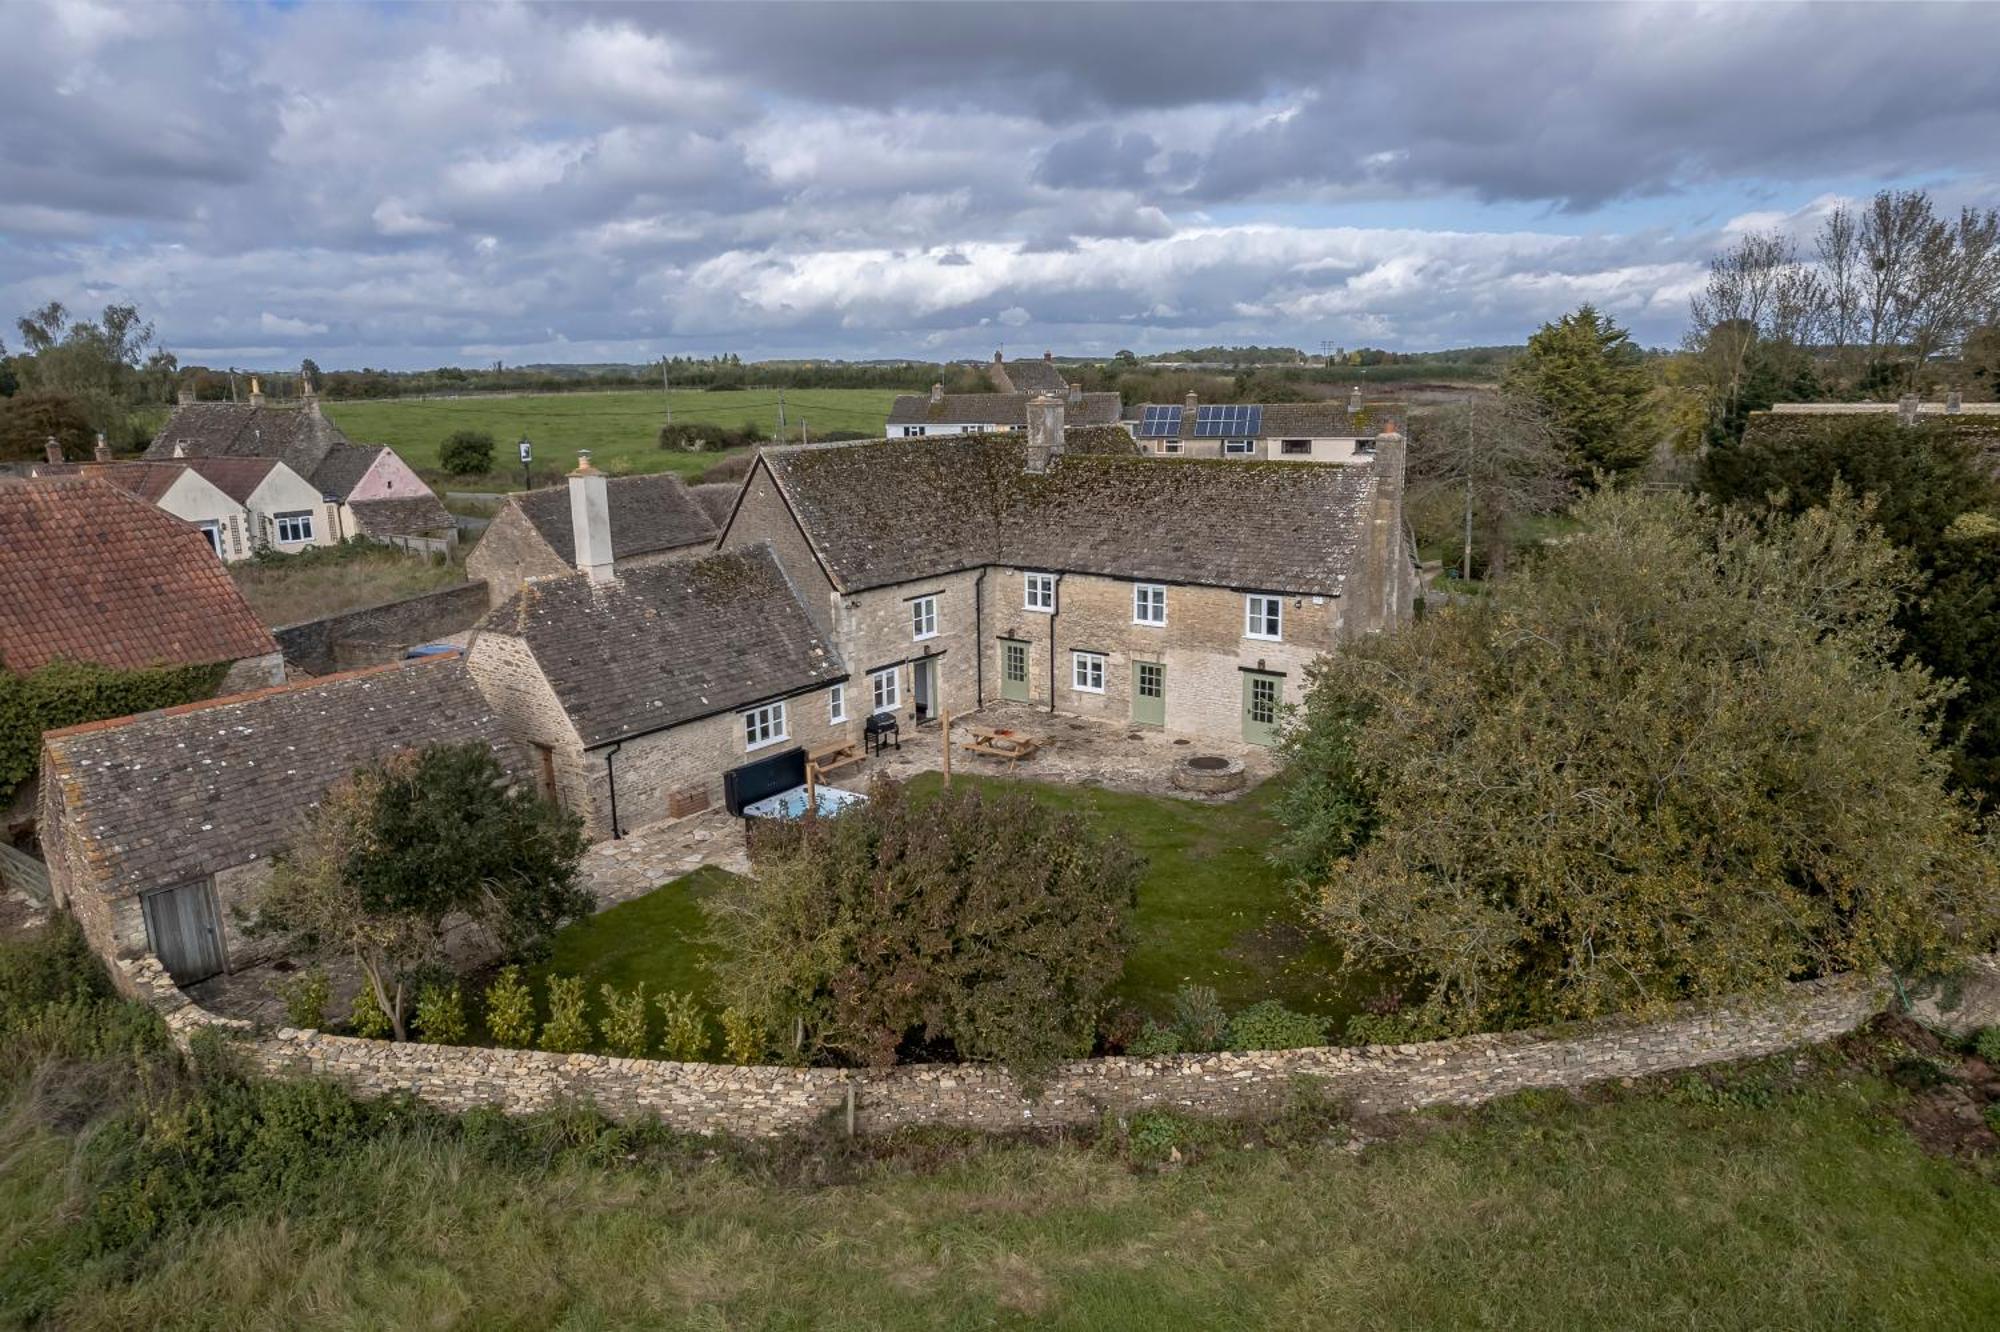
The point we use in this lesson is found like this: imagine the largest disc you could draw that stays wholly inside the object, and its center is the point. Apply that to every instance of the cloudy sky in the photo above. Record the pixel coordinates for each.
(420, 185)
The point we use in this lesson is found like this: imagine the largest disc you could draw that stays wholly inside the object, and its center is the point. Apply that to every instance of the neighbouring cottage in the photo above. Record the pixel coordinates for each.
(367, 491)
(915, 416)
(633, 689)
(652, 518)
(157, 828)
(1291, 431)
(1028, 377)
(1184, 593)
(242, 505)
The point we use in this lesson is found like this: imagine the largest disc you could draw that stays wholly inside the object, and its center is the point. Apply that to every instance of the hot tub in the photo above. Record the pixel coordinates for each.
(792, 804)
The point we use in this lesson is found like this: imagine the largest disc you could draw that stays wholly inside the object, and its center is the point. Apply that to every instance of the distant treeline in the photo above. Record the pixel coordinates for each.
(682, 373)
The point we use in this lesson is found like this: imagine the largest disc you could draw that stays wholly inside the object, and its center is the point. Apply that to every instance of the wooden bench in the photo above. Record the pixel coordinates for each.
(1009, 745)
(829, 759)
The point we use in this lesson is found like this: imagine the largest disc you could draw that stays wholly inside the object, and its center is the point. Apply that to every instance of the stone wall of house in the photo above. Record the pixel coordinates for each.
(377, 634)
(510, 552)
(763, 1101)
(253, 673)
(508, 678)
(763, 515)
(876, 633)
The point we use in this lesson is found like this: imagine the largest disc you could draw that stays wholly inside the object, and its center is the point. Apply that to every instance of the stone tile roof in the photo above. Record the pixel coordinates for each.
(648, 514)
(237, 478)
(1034, 376)
(668, 643)
(93, 573)
(716, 499)
(298, 436)
(169, 796)
(1303, 420)
(899, 509)
(403, 516)
(341, 470)
(997, 409)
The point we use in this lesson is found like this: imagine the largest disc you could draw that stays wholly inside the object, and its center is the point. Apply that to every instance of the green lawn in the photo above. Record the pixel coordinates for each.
(621, 429)
(1211, 911)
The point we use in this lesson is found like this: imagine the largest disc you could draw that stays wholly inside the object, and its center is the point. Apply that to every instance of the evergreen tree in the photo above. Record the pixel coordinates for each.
(1586, 377)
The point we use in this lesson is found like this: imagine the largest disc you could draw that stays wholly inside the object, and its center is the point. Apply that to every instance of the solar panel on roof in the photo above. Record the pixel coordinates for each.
(1228, 420)
(1160, 422)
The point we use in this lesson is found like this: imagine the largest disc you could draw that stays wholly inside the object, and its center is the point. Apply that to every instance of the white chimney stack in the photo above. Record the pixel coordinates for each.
(103, 450)
(590, 519)
(52, 450)
(1045, 431)
(256, 392)
(937, 393)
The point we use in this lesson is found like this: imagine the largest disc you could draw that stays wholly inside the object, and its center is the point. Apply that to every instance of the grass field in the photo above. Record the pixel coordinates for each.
(620, 429)
(1211, 911)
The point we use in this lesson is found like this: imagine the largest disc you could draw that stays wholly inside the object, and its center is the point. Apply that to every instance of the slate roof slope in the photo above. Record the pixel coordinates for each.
(237, 478)
(94, 573)
(300, 437)
(668, 643)
(169, 796)
(341, 470)
(899, 509)
(716, 499)
(1039, 376)
(402, 516)
(648, 513)
(998, 409)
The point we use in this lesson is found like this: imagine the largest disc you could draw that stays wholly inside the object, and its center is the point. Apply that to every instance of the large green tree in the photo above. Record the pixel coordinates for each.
(401, 849)
(1677, 757)
(972, 922)
(1586, 377)
(106, 366)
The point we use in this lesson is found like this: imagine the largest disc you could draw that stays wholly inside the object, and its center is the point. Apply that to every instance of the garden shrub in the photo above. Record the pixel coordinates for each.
(625, 1028)
(1389, 1029)
(744, 1039)
(1154, 1039)
(685, 1033)
(306, 996)
(368, 1019)
(567, 1030)
(441, 1015)
(1272, 1026)
(705, 437)
(510, 1010)
(467, 453)
(1200, 1019)
(67, 693)
(1987, 1045)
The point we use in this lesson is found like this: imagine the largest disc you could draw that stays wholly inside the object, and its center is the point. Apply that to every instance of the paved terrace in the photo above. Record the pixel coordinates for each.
(1074, 752)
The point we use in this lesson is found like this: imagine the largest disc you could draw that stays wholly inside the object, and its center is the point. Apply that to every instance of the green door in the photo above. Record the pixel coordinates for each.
(1149, 693)
(1014, 669)
(1260, 707)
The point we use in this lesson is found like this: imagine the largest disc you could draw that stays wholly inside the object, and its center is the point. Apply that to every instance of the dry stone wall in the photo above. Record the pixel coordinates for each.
(764, 1102)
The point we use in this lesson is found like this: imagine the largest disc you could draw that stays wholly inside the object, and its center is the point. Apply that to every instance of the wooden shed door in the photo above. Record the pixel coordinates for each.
(186, 935)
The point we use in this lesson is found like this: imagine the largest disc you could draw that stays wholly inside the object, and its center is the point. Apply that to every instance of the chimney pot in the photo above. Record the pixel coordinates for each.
(1045, 431)
(52, 450)
(256, 392)
(996, 358)
(1354, 401)
(185, 397)
(937, 393)
(103, 450)
(1049, 356)
(590, 519)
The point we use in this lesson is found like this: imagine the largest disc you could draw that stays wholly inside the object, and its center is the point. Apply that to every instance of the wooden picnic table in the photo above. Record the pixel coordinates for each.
(829, 759)
(1001, 743)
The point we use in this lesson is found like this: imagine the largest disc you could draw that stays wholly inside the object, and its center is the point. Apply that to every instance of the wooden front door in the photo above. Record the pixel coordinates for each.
(184, 930)
(1149, 693)
(1014, 670)
(1260, 707)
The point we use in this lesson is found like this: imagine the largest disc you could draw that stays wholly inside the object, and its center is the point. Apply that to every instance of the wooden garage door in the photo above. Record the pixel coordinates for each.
(182, 926)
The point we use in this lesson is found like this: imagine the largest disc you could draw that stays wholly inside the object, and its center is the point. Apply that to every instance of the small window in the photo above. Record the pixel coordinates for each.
(923, 618)
(764, 726)
(294, 528)
(1295, 448)
(1264, 617)
(1364, 448)
(1149, 604)
(1039, 592)
(1087, 672)
(1170, 446)
(836, 704)
(213, 531)
(887, 688)
(913, 432)
(1239, 448)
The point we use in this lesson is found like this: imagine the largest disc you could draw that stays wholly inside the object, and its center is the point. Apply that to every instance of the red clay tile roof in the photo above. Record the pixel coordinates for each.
(147, 480)
(93, 573)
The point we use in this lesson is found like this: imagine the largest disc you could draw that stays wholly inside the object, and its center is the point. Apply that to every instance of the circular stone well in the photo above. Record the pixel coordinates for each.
(1209, 774)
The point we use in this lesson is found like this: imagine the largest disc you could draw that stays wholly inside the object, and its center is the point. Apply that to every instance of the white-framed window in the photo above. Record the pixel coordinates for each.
(295, 527)
(1170, 446)
(1239, 448)
(1149, 603)
(836, 704)
(913, 432)
(1295, 448)
(1264, 617)
(886, 688)
(764, 726)
(923, 618)
(1038, 592)
(1087, 672)
(213, 531)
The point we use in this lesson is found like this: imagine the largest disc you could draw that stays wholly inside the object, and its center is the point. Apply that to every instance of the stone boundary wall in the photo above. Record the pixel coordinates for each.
(374, 635)
(767, 1101)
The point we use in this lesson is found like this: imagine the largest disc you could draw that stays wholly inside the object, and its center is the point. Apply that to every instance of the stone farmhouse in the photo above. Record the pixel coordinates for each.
(240, 504)
(364, 490)
(650, 519)
(915, 416)
(157, 828)
(1324, 432)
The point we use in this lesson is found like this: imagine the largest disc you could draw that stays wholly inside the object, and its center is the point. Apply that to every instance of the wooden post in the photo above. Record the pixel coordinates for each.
(812, 792)
(944, 726)
(850, 1109)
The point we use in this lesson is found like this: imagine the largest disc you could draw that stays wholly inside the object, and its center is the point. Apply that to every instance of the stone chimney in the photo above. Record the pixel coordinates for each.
(103, 450)
(256, 392)
(1045, 431)
(937, 394)
(52, 450)
(1907, 408)
(1952, 403)
(1354, 401)
(180, 448)
(185, 397)
(1192, 400)
(590, 519)
(1049, 357)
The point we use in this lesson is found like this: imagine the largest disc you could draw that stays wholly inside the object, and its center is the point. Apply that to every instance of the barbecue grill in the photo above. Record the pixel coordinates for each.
(879, 730)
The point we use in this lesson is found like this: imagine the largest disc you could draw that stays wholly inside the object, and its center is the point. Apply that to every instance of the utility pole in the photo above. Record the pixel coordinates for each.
(666, 390)
(781, 413)
(1465, 570)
